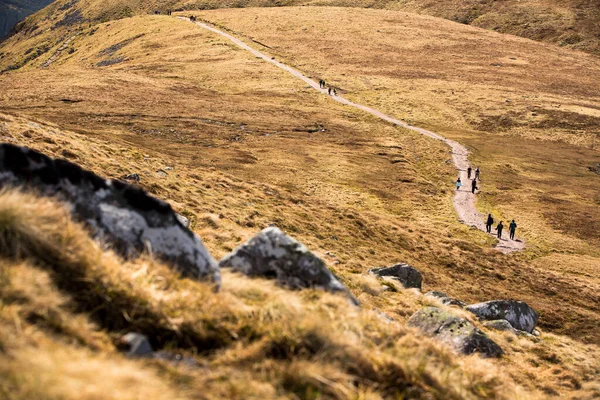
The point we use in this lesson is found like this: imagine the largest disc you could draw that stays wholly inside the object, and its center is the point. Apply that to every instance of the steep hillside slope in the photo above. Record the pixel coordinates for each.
(567, 23)
(13, 11)
(236, 145)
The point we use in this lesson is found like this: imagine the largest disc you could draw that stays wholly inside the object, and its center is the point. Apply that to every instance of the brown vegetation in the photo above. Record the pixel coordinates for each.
(246, 146)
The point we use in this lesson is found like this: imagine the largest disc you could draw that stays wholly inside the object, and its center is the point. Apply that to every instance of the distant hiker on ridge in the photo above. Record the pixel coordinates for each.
(458, 183)
(477, 173)
(473, 186)
(334, 91)
(499, 229)
(329, 91)
(469, 172)
(511, 229)
(489, 223)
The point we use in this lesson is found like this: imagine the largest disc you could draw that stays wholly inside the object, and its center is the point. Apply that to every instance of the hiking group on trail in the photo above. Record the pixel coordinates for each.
(330, 90)
(512, 228)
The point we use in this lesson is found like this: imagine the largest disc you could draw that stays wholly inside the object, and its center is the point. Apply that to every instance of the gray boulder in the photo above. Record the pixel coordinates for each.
(273, 254)
(517, 313)
(445, 299)
(121, 215)
(455, 331)
(137, 345)
(404, 273)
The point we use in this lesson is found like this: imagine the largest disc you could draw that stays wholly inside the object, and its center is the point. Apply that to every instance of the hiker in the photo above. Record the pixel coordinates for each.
(473, 186)
(458, 183)
(489, 223)
(334, 91)
(329, 91)
(499, 229)
(469, 172)
(511, 229)
(477, 173)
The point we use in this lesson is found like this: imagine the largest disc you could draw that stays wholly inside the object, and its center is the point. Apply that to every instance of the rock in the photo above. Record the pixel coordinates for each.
(455, 331)
(404, 273)
(273, 254)
(500, 325)
(137, 345)
(132, 177)
(121, 215)
(445, 299)
(517, 313)
(183, 220)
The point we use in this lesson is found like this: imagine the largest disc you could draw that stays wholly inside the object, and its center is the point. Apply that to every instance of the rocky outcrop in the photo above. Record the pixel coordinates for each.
(517, 313)
(404, 273)
(445, 299)
(273, 254)
(455, 331)
(124, 216)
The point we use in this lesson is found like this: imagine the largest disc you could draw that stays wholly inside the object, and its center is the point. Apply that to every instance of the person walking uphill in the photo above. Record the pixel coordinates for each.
(473, 186)
(489, 223)
(458, 183)
(499, 229)
(512, 229)
(477, 173)
(469, 172)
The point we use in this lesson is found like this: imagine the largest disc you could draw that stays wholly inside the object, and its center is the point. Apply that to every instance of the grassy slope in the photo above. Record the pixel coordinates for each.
(59, 334)
(245, 143)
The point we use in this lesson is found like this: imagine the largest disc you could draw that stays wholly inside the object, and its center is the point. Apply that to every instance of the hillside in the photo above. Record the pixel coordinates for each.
(13, 11)
(236, 145)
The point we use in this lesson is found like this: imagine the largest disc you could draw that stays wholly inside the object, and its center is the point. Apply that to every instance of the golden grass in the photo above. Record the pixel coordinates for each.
(248, 150)
(246, 147)
(291, 342)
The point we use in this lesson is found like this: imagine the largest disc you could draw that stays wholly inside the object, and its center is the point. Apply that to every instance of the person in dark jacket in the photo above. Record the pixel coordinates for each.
(473, 186)
(469, 172)
(329, 91)
(477, 171)
(489, 223)
(499, 229)
(512, 229)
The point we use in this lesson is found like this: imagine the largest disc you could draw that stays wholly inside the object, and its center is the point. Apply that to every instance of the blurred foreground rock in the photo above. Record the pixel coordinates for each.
(124, 216)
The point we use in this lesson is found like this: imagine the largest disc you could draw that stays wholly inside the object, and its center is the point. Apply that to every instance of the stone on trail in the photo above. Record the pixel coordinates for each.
(121, 215)
(273, 254)
(455, 331)
(445, 299)
(404, 273)
(517, 313)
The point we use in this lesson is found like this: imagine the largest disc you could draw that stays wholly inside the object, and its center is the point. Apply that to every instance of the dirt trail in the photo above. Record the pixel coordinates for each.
(464, 200)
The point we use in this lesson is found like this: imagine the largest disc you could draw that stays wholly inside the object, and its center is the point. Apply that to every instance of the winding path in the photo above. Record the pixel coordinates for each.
(464, 200)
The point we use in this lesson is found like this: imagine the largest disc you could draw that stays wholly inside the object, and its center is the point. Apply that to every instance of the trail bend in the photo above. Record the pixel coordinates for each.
(463, 201)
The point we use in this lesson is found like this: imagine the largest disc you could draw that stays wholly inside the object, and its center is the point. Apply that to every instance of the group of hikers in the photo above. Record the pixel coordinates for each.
(330, 90)
(512, 228)
(473, 182)
(490, 221)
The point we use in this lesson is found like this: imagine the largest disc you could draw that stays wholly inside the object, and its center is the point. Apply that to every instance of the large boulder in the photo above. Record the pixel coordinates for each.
(455, 331)
(445, 299)
(124, 216)
(273, 254)
(518, 313)
(409, 277)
